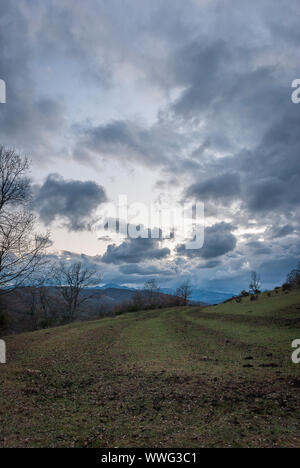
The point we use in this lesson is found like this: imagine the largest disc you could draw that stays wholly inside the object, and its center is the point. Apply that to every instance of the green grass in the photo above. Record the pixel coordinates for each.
(165, 378)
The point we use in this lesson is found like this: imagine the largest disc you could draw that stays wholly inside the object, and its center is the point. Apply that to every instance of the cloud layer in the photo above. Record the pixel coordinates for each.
(195, 95)
(73, 201)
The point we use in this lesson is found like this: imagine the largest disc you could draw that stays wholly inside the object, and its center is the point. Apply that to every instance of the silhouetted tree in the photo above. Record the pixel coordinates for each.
(71, 279)
(293, 278)
(184, 292)
(21, 251)
(255, 283)
(152, 290)
(138, 300)
(41, 300)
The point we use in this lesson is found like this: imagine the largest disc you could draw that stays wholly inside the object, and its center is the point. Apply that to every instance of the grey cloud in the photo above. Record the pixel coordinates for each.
(223, 186)
(279, 232)
(28, 120)
(115, 138)
(197, 66)
(231, 133)
(278, 152)
(274, 168)
(72, 200)
(265, 194)
(135, 251)
(211, 264)
(218, 240)
(104, 37)
(127, 141)
(258, 248)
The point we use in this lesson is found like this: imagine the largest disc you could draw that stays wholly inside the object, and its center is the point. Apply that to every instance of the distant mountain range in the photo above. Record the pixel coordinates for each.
(211, 297)
(114, 286)
(204, 296)
(198, 295)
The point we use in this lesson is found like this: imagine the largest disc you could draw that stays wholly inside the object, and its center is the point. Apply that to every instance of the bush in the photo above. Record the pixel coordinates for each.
(245, 293)
(293, 278)
(140, 301)
(3, 321)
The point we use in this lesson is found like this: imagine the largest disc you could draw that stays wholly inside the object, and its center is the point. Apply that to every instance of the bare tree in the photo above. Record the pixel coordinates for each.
(41, 298)
(21, 250)
(152, 291)
(138, 300)
(71, 279)
(184, 292)
(293, 278)
(255, 283)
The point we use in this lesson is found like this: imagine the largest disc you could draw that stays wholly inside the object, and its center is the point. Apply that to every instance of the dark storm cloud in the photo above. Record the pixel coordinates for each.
(222, 186)
(273, 170)
(28, 120)
(135, 251)
(265, 194)
(265, 179)
(218, 240)
(72, 200)
(258, 248)
(127, 141)
(226, 128)
(238, 90)
(197, 66)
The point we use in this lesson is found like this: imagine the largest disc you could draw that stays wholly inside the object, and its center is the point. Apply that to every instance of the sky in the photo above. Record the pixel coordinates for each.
(167, 101)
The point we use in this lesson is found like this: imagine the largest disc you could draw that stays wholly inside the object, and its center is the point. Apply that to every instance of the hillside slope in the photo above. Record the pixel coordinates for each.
(23, 312)
(166, 378)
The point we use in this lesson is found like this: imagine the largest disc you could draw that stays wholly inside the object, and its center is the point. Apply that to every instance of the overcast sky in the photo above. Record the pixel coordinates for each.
(182, 100)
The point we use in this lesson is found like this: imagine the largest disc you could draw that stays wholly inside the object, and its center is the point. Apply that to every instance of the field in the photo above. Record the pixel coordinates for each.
(218, 376)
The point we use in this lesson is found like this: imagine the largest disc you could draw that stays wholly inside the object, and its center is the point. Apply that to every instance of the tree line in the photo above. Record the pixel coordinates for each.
(150, 297)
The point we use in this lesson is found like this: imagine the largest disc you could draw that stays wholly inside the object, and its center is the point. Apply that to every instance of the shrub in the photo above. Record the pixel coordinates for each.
(245, 293)
(3, 321)
(293, 278)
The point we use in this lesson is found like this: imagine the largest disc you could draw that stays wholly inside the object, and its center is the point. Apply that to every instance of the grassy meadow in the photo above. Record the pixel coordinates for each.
(219, 376)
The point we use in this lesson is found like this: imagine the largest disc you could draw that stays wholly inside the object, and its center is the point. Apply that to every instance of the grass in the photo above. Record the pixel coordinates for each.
(165, 378)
